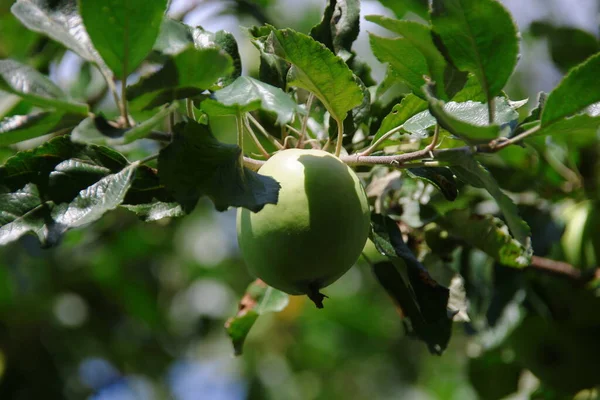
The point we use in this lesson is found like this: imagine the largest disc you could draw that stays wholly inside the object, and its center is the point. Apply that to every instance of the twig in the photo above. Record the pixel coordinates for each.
(557, 267)
(189, 106)
(385, 136)
(305, 120)
(253, 164)
(240, 131)
(499, 144)
(340, 138)
(264, 152)
(264, 132)
(124, 112)
(147, 159)
(160, 136)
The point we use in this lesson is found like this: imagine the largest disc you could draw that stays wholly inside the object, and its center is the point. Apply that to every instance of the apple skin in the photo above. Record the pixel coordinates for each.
(317, 229)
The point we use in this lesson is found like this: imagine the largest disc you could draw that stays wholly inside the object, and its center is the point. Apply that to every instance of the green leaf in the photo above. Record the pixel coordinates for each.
(471, 91)
(579, 130)
(420, 36)
(94, 201)
(468, 170)
(406, 62)
(258, 300)
(401, 7)
(489, 235)
(568, 46)
(192, 69)
(469, 121)
(316, 69)
(156, 210)
(175, 37)
(422, 300)
(493, 375)
(61, 21)
(123, 32)
(34, 87)
(97, 130)
(339, 27)
(401, 113)
(273, 70)
(247, 94)
(480, 37)
(579, 89)
(441, 178)
(24, 127)
(196, 164)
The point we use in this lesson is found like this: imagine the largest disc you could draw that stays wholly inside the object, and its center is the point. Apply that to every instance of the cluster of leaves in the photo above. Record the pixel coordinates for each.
(440, 116)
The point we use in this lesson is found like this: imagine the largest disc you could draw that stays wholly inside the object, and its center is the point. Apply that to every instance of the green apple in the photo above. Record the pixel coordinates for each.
(317, 229)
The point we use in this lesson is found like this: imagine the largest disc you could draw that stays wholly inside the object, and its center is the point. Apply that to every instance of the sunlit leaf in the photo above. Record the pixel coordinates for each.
(248, 94)
(316, 69)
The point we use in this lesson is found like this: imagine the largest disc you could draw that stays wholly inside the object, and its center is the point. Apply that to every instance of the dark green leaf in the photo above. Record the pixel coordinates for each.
(316, 69)
(489, 235)
(259, 299)
(60, 168)
(467, 169)
(22, 212)
(406, 62)
(423, 301)
(58, 186)
(420, 36)
(480, 37)
(579, 89)
(196, 164)
(34, 87)
(493, 375)
(248, 94)
(123, 32)
(568, 46)
(339, 27)
(175, 37)
(401, 113)
(441, 178)
(94, 201)
(23, 127)
(61, 21)
(192, 69)
(97, 130)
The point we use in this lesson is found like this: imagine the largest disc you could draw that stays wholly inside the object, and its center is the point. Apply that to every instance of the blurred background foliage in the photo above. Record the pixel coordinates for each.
(128, 310)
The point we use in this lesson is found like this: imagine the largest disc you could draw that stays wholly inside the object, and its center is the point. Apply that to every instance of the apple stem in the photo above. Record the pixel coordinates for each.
(316, 296)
